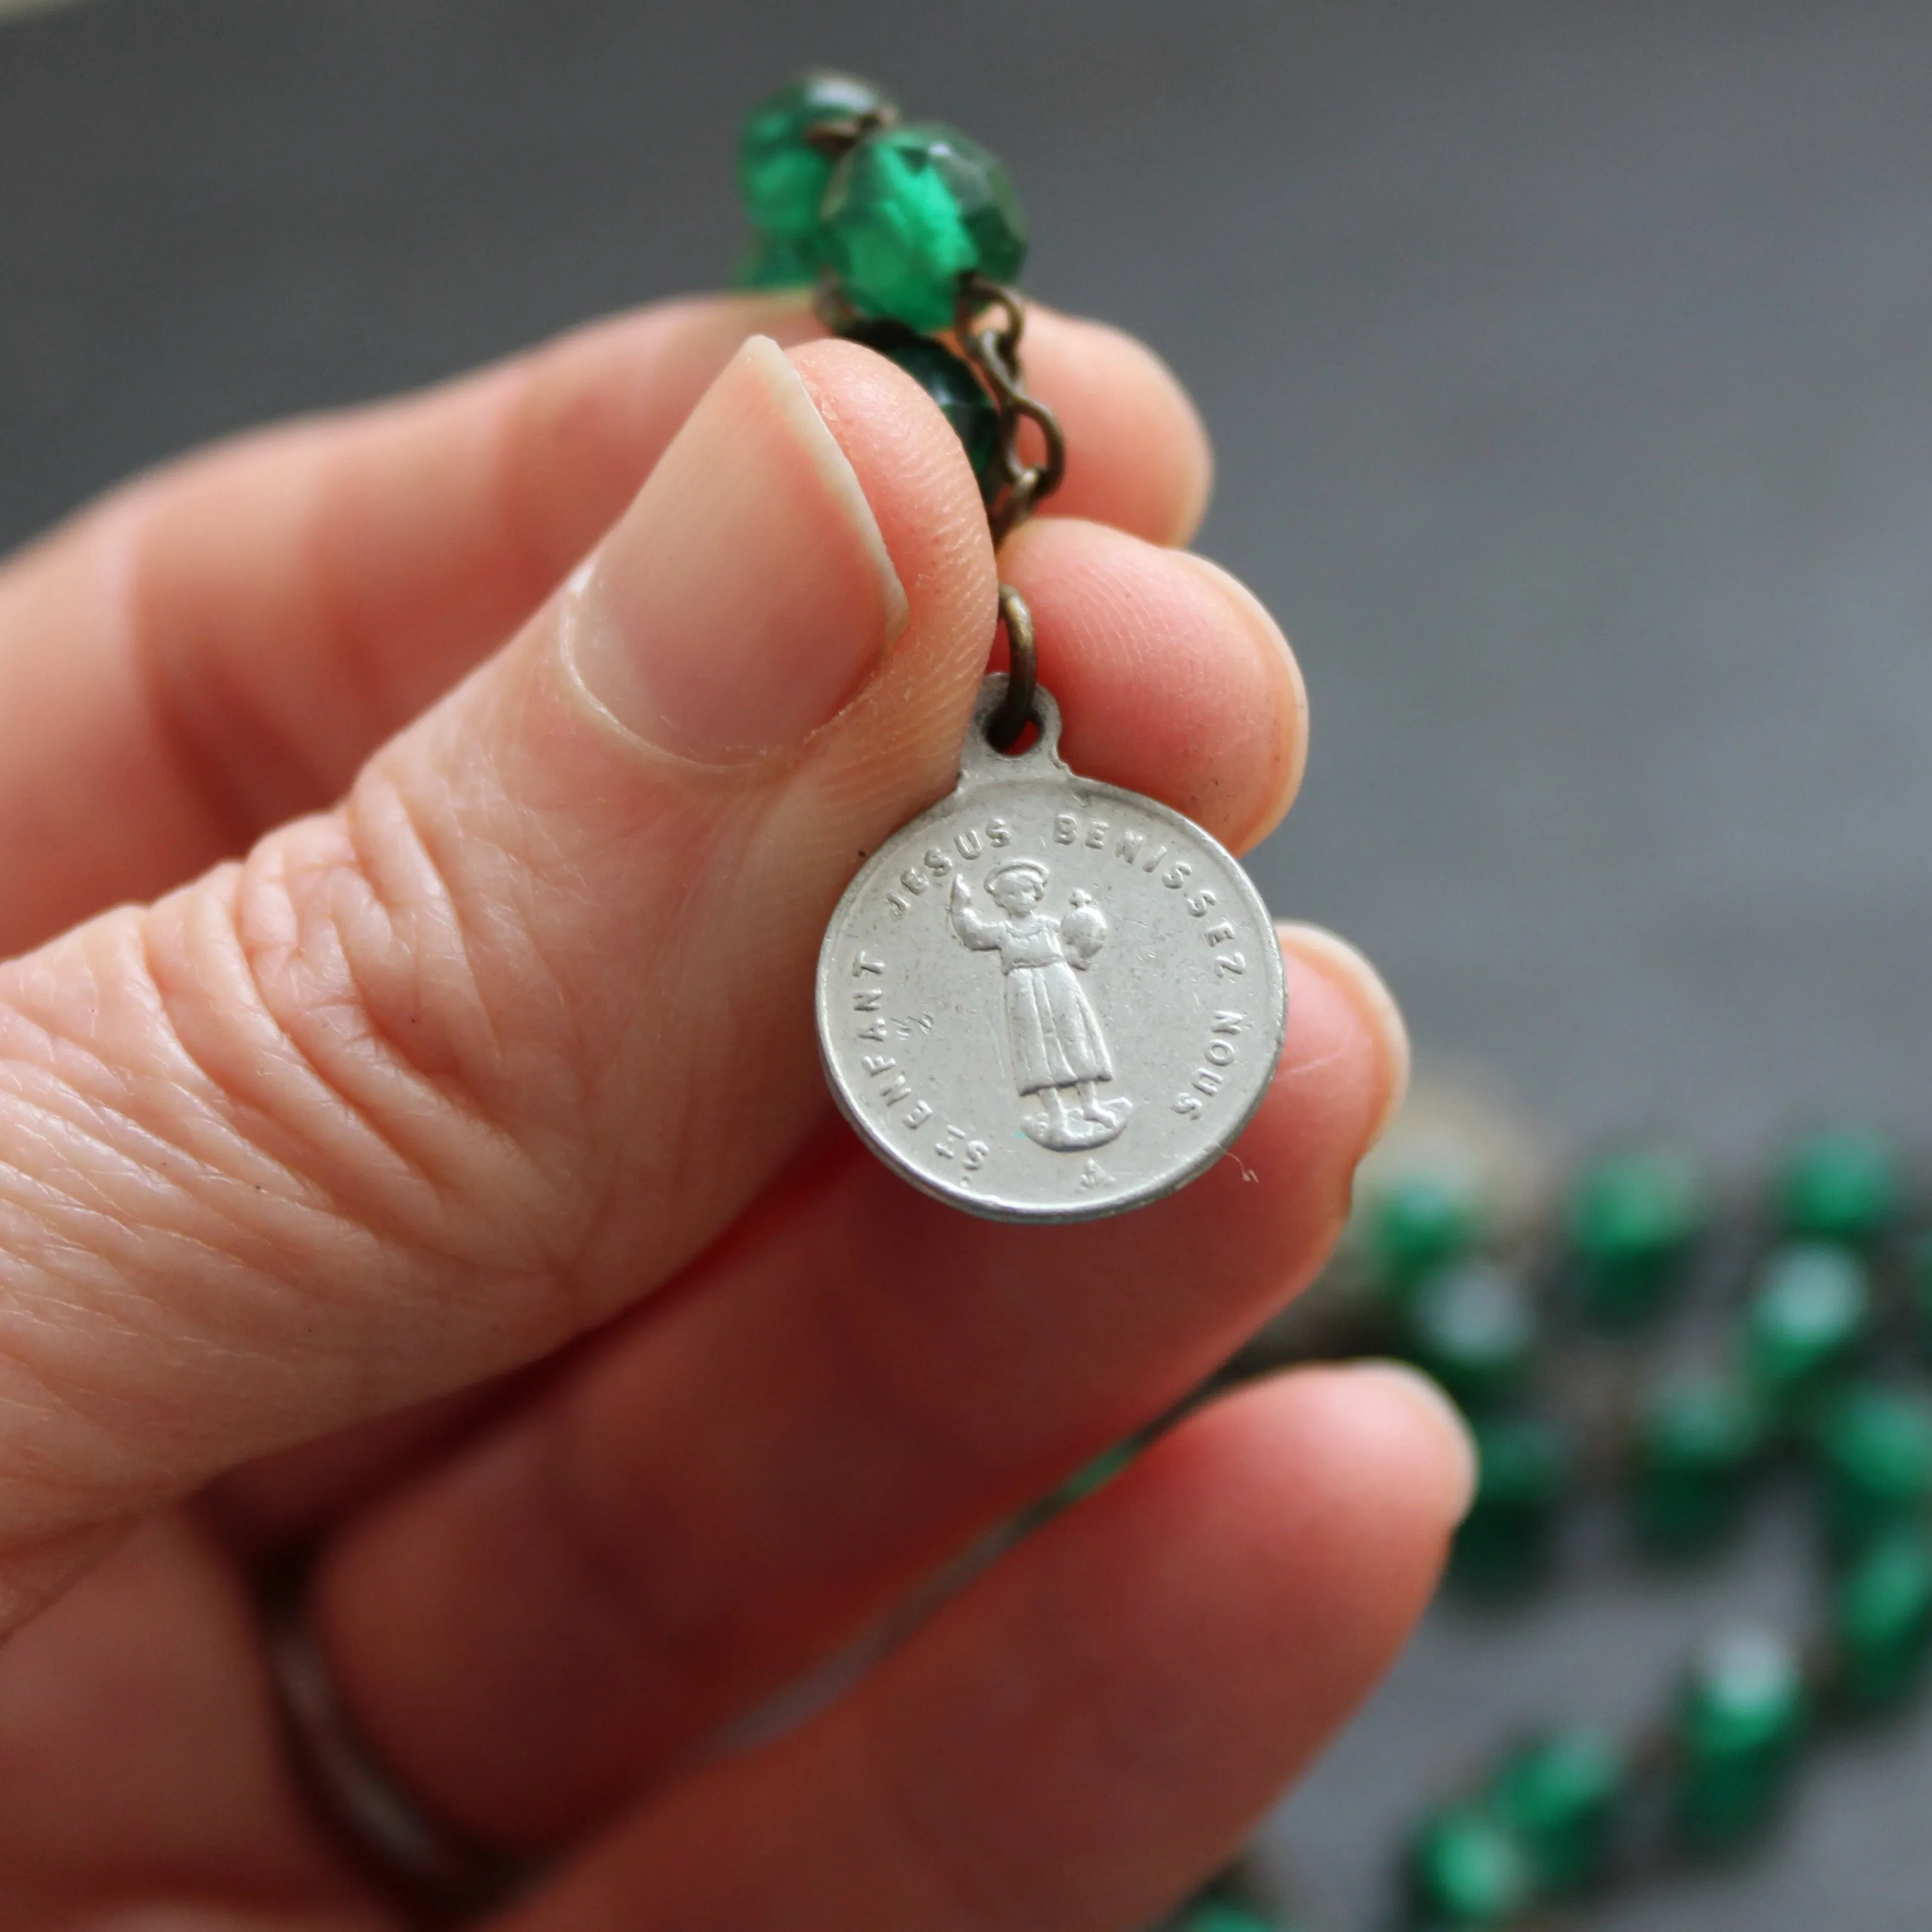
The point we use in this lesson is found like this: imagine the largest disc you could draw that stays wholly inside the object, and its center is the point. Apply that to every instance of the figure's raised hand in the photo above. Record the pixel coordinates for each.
(314, 1152)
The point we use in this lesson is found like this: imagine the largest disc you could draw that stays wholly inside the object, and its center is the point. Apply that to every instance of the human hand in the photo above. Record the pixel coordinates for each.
(449, 1186)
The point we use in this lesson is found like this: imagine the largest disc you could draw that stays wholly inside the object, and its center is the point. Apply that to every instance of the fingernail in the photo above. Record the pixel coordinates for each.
(1332, 955)
(747, 593)
(1445, 1420)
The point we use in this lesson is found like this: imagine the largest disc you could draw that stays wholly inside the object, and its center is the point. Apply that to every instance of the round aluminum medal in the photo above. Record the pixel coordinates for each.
(1048, 999)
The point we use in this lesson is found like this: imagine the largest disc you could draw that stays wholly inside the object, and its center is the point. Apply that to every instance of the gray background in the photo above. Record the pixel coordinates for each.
(1571, 371)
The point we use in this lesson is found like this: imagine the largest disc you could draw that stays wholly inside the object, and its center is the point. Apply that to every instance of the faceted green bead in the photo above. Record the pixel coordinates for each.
(1809, 1316)
(1418, 1223)
(1847, 1185)
(1526, 1468)
(1560, 1795)
(1467, 1868)
(949, 381)
(1474, 1327)
(1698, 1441)
(910, 211)
(1874, 1449)
(781, 176)
(1740, 1717)
(1882, 1623)
(1635, 1219)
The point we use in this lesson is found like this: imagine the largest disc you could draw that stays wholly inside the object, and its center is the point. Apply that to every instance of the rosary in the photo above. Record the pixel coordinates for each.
(1130, 1019)
(1129, 1034)
(1677, 1356)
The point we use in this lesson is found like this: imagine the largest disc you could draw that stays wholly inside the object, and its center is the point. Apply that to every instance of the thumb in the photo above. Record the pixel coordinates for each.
(427, 1084)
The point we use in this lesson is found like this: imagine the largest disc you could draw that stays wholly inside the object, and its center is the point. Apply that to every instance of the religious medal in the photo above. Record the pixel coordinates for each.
(1046, 999)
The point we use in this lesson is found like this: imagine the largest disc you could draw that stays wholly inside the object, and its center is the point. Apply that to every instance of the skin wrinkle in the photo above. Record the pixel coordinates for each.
(284, 1050)
(394, 1063)
(117, 1296)
(382, 843)
(99, 1414)
(122, 1300)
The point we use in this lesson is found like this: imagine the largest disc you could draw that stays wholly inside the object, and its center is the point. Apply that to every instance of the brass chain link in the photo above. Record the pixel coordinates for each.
(995, 353)
(993, 350)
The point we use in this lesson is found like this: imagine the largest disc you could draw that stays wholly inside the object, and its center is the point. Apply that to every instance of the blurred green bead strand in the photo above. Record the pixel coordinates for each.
(1416, 1224)
(782, 177)
(1882, 1624)
(1635, 1219)
(1873, 1446)
(1810, 1315)
(1526, 1468)
(1843, 1184)
(1740, 1718)
(909, 212)
(1225, 1915)
(1698, 1441)
(1919, 1283)
(1562, 1795)
(1467, 1869)
(1474, 1327)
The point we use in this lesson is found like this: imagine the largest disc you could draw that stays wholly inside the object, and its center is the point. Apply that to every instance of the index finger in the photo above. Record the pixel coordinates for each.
(219, 647)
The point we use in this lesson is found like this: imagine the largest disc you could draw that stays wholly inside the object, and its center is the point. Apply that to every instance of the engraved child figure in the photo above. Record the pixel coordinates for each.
(1054, 1039)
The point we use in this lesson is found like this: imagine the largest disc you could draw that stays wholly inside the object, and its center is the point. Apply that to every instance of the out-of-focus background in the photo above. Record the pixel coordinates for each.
(1571, 369)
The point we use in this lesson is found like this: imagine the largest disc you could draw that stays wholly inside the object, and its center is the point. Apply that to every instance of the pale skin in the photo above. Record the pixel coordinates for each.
(313, 1163)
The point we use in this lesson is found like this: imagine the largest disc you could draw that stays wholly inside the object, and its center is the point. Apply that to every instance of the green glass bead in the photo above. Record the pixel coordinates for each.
(1474, 1328)
(1882, 1623)
(781, 176)
(1874, 1451)
(1740, 1717)
(910, 211)
(772, 261)
(1918, 1280)
(949, 381)
(1467, 1868)
(1223, 1914)
(1809, 1316)
(1084, 1482)
(1418, 1223)
(1847, 1184)
(1526, 1468)
(1698, 1441)
(1635, 1219)
(1560, 1796)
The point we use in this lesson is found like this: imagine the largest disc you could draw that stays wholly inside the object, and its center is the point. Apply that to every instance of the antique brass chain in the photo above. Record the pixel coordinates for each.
(991, 346)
